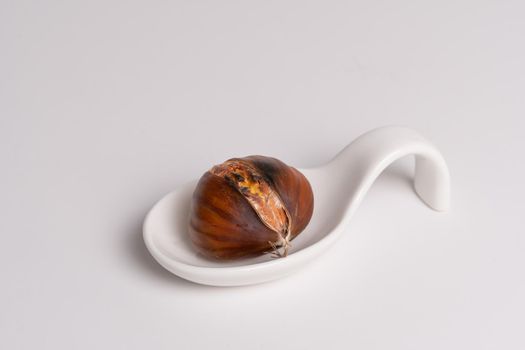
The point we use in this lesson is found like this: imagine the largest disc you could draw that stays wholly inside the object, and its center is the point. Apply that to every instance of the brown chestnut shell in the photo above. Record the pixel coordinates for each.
(224, 225)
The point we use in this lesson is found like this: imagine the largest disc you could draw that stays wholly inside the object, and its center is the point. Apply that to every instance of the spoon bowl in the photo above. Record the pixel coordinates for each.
(339, 186)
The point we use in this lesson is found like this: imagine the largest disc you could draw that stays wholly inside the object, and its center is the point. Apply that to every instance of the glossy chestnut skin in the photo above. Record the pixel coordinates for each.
(223, 225)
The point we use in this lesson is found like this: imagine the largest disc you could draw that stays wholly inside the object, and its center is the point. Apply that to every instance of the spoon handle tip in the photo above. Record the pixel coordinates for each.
(375, 150)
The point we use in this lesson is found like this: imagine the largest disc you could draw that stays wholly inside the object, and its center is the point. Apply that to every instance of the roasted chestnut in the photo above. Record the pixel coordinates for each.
(249, 206)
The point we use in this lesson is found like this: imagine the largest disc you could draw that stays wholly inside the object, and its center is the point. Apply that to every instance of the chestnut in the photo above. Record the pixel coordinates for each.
(249, 206)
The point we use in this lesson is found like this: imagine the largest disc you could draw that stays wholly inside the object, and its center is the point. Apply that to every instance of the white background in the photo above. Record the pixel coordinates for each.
(105, 106)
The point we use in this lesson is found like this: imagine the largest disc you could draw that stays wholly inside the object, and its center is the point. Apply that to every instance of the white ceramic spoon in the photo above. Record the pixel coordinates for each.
(339, 187)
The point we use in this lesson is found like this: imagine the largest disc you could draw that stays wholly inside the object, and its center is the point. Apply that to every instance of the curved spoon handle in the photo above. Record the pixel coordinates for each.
(373, 151)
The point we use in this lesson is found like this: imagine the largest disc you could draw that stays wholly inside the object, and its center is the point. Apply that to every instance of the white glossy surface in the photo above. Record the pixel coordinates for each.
(105, 106)
(339, 187)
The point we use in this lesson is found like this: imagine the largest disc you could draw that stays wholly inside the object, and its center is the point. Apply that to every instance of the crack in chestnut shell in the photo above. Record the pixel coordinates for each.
(258, 191)
(223, 224)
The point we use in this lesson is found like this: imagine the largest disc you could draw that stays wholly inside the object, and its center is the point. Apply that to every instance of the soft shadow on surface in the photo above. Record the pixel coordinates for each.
(399, 176)
(139, 257)
(145, 262)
